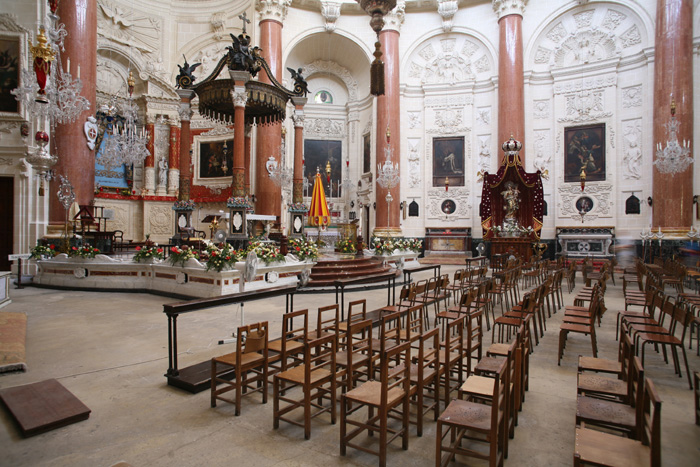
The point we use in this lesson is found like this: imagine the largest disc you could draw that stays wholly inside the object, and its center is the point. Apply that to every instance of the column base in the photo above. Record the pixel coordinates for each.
(387, 232)
(673, 233)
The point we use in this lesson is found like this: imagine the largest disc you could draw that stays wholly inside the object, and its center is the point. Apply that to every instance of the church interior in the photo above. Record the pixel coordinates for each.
(199, 195)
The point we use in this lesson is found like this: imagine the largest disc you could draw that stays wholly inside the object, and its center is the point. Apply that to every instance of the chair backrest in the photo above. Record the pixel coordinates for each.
(394, 372)
(252, 338)
(319, 353)
(465, 302)
(414, 323)
(637, 395)
(651, 432)
(297, 332)
(390, 330)
(421, 287)
(327, 321)
(357, 311)
(453, 339)
(428, 352)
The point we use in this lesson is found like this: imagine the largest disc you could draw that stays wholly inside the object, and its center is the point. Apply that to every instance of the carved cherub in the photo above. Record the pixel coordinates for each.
(301, 87)
(185, 78)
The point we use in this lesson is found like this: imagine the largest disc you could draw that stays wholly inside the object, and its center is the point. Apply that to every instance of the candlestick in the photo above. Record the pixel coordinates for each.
(78, 71)
(68, 65)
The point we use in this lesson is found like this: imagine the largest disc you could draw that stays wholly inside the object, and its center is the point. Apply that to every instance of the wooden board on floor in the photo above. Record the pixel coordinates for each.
(196, 378)
(43, 406)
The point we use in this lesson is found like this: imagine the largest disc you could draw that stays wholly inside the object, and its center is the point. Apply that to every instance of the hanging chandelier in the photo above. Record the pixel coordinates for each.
(125, 143)
(279, 173)
(674, 157)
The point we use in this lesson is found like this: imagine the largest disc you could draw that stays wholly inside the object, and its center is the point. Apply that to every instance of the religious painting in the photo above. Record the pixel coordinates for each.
(215, 159)
(323, 154)
(585, 149)
(448, 206)
(366, 153)
(448, 161)
(9, 72)
(584, 204)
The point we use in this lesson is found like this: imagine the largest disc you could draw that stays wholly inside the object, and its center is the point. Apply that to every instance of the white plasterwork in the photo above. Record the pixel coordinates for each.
(330, 11)
(543, 150)
(173, 181)
(583, 19)
(272, 9)
(414, 172)
(395, 18)
(129, 26)
(632, 160)
(333, 68)
(448, 101)
(509, 7)
(631, 37)
(585, 85)
(447, 10)
(208, 57)
(218, 24)
(612, 19)
(585, 47)
(413, 120)
(159, 220)
(484, 153)
(541, 109)
(632, 96)
(324, 127)
(584, 106)
(599, 192)
(483, 115)
(436, 196)
(219, 130)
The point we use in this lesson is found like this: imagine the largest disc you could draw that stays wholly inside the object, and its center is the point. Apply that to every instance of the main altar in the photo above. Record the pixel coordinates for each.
(512, 203)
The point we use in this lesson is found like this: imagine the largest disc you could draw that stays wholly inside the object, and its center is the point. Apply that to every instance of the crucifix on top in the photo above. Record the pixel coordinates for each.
(244, 18)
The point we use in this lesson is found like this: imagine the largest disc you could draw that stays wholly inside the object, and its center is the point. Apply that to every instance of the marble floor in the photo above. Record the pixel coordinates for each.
(110, 350)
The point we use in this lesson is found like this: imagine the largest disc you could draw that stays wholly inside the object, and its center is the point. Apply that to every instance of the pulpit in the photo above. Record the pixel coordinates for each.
(518, 246)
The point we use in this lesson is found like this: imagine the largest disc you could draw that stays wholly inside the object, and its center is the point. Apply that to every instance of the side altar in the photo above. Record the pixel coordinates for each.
(512, 203)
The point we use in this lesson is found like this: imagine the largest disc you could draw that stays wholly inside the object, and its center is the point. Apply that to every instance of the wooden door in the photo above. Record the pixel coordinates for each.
(7, 203)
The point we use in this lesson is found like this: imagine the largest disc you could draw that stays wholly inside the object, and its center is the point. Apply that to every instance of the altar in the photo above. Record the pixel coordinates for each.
(448, 240)
(518, 246)
(580, 242)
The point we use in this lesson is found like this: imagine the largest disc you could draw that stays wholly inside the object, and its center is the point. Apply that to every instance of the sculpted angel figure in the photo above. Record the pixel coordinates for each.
(511, 196)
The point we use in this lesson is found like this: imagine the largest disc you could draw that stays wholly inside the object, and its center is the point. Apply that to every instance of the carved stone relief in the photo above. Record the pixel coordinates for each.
(331, 12)
(460, 196)
(122, 218)
(632, 96)
(111, 77)
(584, 106)
(557, 33)
(414, 173)
(448, 60)
(541, 109)
(209, 57)
(613, 19)
(272, 9)
(483, 115)
(448, 101)
(218, 24)
(632, 160)
(585, 47)
(324, 127)
(631, 37)
(129, 26)
(413, 120)
(161, 149)
(447, 121)
(583, 19)
(543, 151)
(159, 220)
(447, 10)
(484, 161)
(601, 193)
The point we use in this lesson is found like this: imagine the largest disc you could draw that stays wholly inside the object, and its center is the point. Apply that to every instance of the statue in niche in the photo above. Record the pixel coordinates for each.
(162, 172)
(511, 196)
(484, 154)
(633, 158)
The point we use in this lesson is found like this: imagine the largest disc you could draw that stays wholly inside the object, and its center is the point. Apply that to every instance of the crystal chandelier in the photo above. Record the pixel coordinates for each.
(388, 174)
(125, 144)
(675, 157)
(347, 184)
(279, 173)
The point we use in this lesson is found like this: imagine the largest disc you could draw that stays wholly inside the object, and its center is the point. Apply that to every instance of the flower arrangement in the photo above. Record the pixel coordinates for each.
(346, 245)
(267, 252)
(303, 248)
(220, 258)
(238, 202)
(41, 251)
(412, 244)
(512, 230)
(382, 246)
(127, 192)
(298, 207)
(183, 205)
(147, 253)
(181, 255)
(85, 251)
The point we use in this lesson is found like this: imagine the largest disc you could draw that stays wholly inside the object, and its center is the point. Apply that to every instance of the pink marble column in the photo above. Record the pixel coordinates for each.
(511, 97)
(149, 162)
(246, 158)
(174, 161)
(240, 97)
(298, 176)
(185, 112)
(75, 160)
(269, 137)
(388, 116)
(673, 74)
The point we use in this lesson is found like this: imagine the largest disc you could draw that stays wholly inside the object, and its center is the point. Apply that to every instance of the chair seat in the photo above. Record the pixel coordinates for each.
(467, 414)
(292, 346)
(605, 412)
(489, 364)
(498, 349)
(479, 385)
(598, 448)
(585, 329)
(341, 358)
(296, 375)
(599, 364)
(371, 393)
(428, 374)
(247, 359)
(594, 383)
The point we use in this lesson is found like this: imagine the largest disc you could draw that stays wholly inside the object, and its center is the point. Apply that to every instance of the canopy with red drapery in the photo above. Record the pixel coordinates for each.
(530, 211)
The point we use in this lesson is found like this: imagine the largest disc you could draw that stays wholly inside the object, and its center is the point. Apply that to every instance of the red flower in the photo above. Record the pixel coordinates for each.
(138, 248)
(74, 248)
(95, 250)
(52, 246)
(228, 258)
(298, 249)
(159, 250)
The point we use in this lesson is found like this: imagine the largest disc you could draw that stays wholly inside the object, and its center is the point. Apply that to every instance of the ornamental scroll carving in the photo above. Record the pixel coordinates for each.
(324, 127)
(600, 193)
(460, 196)
(160, 220)
(414, 173)
(448, 61)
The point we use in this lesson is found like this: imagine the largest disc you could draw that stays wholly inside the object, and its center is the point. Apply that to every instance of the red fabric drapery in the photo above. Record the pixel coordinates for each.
(530, 212)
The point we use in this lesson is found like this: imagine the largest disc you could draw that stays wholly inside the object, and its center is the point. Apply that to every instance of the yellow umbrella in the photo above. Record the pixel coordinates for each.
(318, 211)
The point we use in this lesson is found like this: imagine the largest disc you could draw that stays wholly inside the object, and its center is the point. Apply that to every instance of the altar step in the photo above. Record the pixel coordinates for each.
(328, 270)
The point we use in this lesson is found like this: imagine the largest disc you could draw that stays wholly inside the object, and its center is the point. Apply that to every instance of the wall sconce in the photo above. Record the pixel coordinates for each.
(583, 179)
(649, 201)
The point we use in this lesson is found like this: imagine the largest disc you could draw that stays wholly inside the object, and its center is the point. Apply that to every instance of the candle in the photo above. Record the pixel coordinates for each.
(78, 71)
(68, 65)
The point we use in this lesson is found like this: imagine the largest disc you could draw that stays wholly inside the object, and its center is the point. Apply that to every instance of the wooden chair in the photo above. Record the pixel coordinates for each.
(477, 422)
(618, 389)
(327, 322)
(473, 339)
(380, 397)
(354, 357)
(570, 276)
(604, 449)
(584, 328)
(315, 377)
(357, 311)
(425, 378)
(456, 312)
(250, 357)
(616, 416)
(696, 377)
(451, 352)
(284, 352)
(604, 365)
(456, 287)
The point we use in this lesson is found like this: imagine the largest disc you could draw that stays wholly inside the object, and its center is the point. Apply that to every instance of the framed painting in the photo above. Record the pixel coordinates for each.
(448, 161)
(317, 154)
(11, 50)
(585, 149)
(213, 160)
(366, 153)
